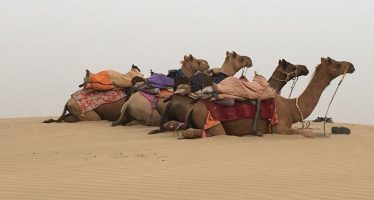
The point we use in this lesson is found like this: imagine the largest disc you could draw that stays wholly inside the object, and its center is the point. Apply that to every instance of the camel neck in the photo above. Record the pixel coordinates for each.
(187, 71)
(228, 69)
(276, 83)
(309, 98)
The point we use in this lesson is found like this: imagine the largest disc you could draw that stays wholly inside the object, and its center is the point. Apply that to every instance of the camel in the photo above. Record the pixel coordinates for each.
(289, 111)
(109, 111)
(178, 107)
(138, 109)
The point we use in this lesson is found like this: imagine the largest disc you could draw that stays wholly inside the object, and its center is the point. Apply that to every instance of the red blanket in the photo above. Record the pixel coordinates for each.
(89, 99)
(241, 110)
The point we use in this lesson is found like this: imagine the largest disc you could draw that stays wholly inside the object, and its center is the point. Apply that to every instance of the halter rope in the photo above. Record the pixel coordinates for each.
(288, 74)
(328, 107)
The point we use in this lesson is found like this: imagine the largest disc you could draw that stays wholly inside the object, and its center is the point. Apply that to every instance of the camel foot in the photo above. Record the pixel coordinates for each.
(190, 134)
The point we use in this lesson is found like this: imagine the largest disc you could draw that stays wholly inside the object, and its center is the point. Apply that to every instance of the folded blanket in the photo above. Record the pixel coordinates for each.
(160, 81)
(110, 79)
(234, 88)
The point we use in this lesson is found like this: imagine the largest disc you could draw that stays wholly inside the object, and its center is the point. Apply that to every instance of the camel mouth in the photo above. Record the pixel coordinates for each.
(351, 69)
(304, 71)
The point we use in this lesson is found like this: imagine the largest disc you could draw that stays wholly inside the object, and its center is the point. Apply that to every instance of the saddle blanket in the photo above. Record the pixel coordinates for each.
(110, 79)
(154, 98)
(90, 99)
(242, 110)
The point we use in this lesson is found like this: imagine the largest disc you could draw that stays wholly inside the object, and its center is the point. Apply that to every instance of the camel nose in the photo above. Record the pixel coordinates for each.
(304, 70)
(351, 69)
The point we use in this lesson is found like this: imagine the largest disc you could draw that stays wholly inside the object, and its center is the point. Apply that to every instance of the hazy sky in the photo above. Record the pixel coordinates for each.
(45, 45)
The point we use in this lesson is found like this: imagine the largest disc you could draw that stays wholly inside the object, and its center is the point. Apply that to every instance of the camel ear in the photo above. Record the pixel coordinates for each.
(323, 59)
(328, 59)
(132, 65)
(227, 53)
(284, 62)
(185, 57)
(234, 54)
(190, 57)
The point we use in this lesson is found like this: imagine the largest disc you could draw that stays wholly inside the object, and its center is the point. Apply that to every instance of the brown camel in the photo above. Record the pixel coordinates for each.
(178, 107)
(138, 109)
(289, 111)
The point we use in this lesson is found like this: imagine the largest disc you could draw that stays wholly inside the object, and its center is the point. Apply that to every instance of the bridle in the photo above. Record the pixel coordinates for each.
(288, 75)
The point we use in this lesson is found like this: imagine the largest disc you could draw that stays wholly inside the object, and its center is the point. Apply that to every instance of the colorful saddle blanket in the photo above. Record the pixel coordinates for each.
(90, 99)
(241, 110)
(154, 98)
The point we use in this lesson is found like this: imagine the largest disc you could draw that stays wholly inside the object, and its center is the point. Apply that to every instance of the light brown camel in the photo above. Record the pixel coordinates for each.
(138, 109)
(73, 113)
(179, 105)
(289, 111)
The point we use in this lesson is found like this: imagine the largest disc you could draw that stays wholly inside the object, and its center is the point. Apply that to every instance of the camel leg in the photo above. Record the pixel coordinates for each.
(74, 109)
(199, 115)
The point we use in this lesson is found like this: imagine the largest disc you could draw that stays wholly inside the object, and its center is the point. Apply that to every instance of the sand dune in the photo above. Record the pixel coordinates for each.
(91, 160)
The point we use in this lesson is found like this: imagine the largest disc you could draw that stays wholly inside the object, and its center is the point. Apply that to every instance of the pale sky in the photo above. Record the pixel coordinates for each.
(46, 45)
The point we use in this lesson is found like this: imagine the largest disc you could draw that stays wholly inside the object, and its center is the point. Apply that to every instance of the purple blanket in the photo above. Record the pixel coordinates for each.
(160, 81)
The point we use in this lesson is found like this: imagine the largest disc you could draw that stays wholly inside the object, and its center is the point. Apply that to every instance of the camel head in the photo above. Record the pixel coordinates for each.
(335, 68)
(286, 71)
(234, 62)
(191, 65)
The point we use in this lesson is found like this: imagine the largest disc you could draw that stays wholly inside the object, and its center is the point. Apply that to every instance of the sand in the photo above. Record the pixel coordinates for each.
(91, 160)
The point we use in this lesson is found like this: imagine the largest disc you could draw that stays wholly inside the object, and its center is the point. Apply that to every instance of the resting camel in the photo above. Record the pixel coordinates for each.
(138, 109)
(109, 111)
(289, 111)
(179, 105)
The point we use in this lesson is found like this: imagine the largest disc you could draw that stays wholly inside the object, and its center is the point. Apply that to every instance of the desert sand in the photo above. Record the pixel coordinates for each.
(92, 160)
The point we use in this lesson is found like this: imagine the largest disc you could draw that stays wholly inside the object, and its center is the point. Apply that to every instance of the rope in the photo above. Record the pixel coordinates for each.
(328, 107)
(293, 83)
(301, 114)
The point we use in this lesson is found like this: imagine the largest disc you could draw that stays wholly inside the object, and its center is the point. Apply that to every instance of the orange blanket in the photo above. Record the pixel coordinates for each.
(110, 79)
(234, 88)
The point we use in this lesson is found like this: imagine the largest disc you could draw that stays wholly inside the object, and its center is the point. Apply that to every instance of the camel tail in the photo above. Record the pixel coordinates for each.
(60, 119)
(122, 118)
